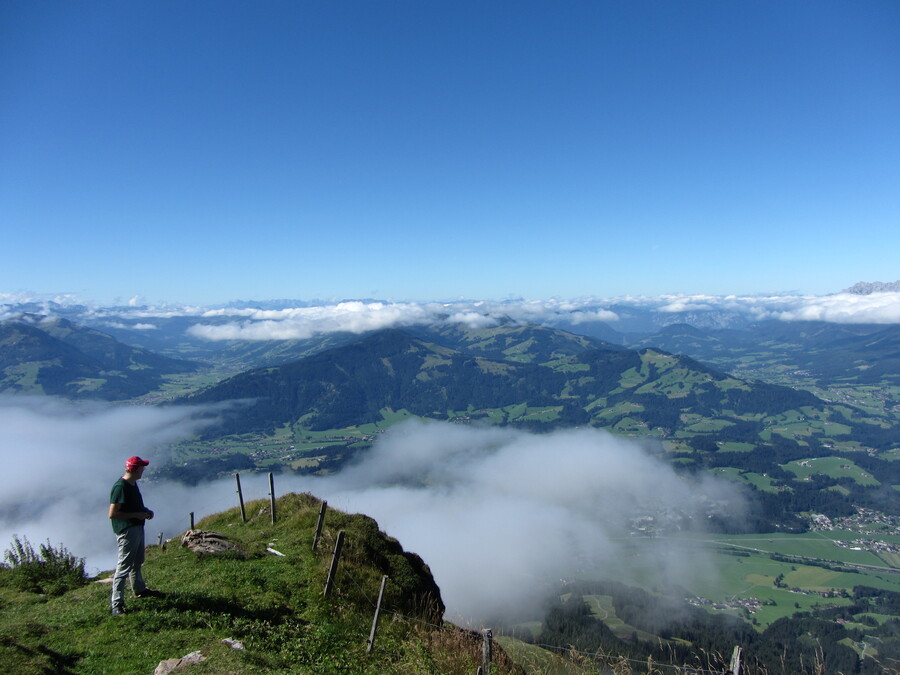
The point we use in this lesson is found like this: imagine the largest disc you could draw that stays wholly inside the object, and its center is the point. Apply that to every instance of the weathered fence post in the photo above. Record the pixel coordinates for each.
(486, 648)
(371, 644)
(237, 478)
(192, 520)
(272, 494)
(319, 524)
(159, 540)
(332, 572)
(736, 661)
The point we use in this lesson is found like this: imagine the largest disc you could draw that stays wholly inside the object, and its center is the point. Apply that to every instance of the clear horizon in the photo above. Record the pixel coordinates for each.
(409, 151)
(294, 319)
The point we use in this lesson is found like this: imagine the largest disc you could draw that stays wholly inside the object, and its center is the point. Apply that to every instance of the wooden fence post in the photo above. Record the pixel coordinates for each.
(371, 644)
(486, 648)
(192, 520)
(332, 572)
(237, 478)
(159, 540)
(272, 495)
(319, 524)
(736, 661)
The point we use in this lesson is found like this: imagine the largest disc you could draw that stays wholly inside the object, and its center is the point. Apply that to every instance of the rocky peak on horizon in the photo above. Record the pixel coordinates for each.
(869, 287)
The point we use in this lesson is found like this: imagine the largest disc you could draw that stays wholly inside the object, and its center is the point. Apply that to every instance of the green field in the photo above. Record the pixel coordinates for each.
(820, 545)
(726, 568)
(759, 481)
(602, 607)
(734, 446)
(834, 467)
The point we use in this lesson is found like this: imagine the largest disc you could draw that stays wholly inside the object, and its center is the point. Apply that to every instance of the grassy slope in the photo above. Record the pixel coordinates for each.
(273, 604)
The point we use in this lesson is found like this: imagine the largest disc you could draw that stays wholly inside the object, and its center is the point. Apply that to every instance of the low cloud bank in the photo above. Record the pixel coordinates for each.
(305, 320)
(500, 516)
(838, 308)
(503, 516)
(61, 459)
(358, 317)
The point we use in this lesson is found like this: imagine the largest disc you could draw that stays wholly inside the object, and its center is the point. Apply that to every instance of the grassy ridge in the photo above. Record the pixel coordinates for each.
(274, 605)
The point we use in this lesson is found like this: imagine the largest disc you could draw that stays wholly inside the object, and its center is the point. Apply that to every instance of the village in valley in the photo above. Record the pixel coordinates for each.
(865, 522)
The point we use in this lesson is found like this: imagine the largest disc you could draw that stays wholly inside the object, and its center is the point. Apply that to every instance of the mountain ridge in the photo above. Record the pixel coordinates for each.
(58, 357)
(587, 382)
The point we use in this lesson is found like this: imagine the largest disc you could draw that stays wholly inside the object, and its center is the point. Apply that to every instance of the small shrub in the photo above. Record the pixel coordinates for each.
(51, 570)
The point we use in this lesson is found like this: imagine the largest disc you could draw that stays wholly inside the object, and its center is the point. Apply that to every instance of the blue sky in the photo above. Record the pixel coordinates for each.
(206, 151)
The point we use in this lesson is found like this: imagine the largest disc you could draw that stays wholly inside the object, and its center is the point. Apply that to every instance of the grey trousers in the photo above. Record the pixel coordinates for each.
(128, 564)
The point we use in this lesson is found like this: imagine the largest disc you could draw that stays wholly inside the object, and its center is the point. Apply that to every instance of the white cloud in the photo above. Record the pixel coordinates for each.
(60, 461)
(533, 506)
(304, 322)
(537, 507)
(883, 308)
(358, 317)
(249, 323)
(163, 312)
(604, 315)
(135, 326)
(473, 320)
(844, 308)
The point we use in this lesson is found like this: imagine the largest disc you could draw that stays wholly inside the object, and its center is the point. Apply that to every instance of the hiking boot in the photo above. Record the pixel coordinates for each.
(148, 593)
(118, 610)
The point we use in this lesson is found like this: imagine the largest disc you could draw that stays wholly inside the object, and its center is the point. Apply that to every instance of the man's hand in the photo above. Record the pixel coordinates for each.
(115, 511)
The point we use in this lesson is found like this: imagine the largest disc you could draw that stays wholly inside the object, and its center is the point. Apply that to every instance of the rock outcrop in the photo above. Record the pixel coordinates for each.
(210, 543)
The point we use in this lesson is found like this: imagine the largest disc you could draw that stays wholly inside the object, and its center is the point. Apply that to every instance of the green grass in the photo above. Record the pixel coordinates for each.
(273, 605)
(735, 446)
(834, 467)
(709, 425)
(23, 377)
(602, 607)
(759, 481)
(537, 660)
(620, 409)
(752, 574)
(820, 545)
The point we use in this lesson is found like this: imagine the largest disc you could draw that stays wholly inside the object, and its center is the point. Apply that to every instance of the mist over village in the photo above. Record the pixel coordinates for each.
(450, 338)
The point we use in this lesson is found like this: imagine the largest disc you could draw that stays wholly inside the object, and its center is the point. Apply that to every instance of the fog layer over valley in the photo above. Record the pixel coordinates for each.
(60, 460)
(500, 516)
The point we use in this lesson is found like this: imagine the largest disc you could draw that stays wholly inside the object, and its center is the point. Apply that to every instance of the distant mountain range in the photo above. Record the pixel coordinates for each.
(57, 357)
(867, 288)
(826, 352)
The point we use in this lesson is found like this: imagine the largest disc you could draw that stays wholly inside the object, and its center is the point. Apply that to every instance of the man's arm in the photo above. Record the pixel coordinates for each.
(115, 511)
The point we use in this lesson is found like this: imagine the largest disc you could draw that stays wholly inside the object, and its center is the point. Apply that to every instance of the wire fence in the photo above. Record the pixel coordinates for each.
(572, 656)
(577, 661)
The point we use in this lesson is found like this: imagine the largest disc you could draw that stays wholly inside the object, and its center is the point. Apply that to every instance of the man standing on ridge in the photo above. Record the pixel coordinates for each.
(127, 514)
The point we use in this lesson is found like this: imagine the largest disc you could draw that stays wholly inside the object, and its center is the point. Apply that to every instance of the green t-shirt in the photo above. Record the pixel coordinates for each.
(129, 496)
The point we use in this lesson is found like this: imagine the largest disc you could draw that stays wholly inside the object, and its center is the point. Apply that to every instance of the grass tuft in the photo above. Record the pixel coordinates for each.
(52, 569)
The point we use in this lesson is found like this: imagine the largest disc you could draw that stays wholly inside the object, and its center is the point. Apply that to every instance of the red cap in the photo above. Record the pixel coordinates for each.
(134, 462)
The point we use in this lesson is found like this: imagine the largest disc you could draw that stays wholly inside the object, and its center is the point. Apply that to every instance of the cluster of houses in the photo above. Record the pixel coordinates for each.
(864, 521)
(749, 605)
